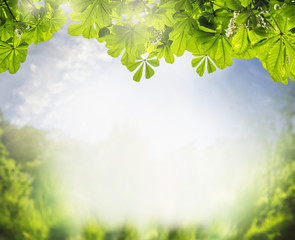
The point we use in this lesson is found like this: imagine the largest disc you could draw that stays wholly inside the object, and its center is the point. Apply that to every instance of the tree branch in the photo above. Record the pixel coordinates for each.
(10, 10)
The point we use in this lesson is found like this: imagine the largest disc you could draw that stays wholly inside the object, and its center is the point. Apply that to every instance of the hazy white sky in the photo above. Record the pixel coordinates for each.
(170, 147)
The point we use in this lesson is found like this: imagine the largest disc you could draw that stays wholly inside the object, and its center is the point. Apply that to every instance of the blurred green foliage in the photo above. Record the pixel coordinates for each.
(32, 205)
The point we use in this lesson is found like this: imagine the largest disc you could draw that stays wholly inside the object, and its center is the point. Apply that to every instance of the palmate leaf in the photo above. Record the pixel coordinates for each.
(6, 31)
(200, 62)
(93, 11)
(179, 44)
(11, 57)
(275, 61)
(141, 64)
(181, 33)
(42, 23)
(39, 32)
(277, 52)
(91, 16)
(241, 41)
(130, 37)
(220, 50)
(165, 51)
(161, 16)
(57, 19)
(194, 45)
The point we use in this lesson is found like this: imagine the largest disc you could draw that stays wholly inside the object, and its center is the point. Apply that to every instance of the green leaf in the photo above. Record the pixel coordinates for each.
(89, 32)
(179, 44)
(201, 69)
(288, 10)
(181, 33)
(130, 37)
(242, 17)
(275, 62)
(89, 12)
(168, 55)
(153, 62)
(194, 46)
(134, 66)
(39, 32)
(149, 72)
(258, 34)
(233, 4)
(210, 66)
(240, 41)
(165, 51)
(160, 17)
(290, 48)
(80, 5)
(6, 31)
(57, 19)
(103, 32)
(220, 50)
(196, 61)
(137, 76)
(76, 29)
(245, 3)
(11, 57)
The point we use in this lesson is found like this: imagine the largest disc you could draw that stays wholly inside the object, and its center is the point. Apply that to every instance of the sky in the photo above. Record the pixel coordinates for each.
(170, 147)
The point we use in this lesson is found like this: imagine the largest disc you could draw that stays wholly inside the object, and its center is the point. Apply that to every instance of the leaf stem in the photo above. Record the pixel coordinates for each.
(10, 10)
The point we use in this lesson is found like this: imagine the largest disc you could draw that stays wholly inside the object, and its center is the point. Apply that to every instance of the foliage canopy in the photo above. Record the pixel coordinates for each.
(214, 31)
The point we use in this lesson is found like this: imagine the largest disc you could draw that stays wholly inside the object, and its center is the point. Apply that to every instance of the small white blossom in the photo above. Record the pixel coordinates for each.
(157, 36)
(261, 21)
(18, 33)
(232, 27)
(236, 14)
(276, 7)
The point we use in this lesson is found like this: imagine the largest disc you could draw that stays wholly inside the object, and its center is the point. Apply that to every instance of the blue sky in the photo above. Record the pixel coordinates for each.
(56, 71)
(71, 84)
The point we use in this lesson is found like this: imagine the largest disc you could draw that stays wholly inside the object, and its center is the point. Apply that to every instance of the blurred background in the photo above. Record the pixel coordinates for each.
(88, 154)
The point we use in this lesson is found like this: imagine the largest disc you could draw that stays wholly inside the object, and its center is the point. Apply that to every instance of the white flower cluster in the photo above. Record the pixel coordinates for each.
(157, 36)
(261, 21)
(232, 26)
(19, 30)
(276, 6)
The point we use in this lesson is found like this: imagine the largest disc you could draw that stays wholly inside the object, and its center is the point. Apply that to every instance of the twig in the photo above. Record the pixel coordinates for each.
(10, 10)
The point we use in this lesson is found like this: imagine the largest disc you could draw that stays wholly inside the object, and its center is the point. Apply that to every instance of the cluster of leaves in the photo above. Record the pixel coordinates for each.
(214, 31)
(24, 22)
